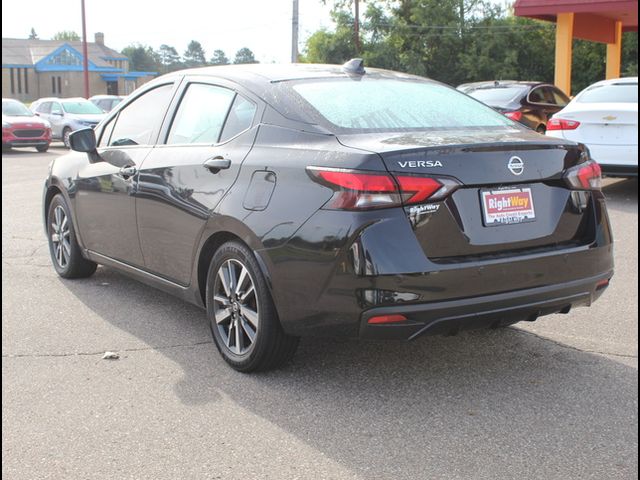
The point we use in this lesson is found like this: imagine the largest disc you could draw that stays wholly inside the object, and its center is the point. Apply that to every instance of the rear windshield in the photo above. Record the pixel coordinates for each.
(81, 107)
(383, 104)
(612, 93)
(498, 95)
(15, 109)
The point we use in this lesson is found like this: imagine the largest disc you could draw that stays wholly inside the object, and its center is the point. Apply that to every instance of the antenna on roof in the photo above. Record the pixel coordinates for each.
(354, 66)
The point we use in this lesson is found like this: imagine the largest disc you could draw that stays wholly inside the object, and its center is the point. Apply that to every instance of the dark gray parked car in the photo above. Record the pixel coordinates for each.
(319, 200)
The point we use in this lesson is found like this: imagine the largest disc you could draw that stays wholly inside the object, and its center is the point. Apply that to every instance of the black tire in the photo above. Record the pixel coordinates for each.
(66, 131)
(270, 347)
(66, 257)
(42, 148)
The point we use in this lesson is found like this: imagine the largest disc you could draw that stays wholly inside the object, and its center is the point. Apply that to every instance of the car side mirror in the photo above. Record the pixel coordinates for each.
(83, 140)
(57, 114)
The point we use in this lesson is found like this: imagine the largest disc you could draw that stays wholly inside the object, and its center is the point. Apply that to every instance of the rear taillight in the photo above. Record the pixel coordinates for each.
(517, 115)
(562, 124)
(359, 190)
(586, 176)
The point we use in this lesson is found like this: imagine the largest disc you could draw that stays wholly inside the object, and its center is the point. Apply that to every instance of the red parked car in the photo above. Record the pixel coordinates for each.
(21, 128)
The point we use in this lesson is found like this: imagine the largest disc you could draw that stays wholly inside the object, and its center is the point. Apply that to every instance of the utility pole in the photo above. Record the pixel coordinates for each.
(356, 25)
(85, 54)
(294, 33)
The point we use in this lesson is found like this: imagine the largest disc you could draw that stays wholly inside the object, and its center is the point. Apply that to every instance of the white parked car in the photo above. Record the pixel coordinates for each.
(604, 117)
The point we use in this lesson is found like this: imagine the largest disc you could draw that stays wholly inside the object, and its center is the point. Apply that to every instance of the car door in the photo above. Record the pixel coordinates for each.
(56, 119)
(44, 111)
(188, 173)
(105, 197)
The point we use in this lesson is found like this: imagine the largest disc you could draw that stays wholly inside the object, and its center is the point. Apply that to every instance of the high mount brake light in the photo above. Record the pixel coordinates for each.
(585, 176)
(361, 190)
(562, 124)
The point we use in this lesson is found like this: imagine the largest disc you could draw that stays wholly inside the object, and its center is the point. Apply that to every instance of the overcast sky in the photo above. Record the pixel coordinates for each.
(262, 25)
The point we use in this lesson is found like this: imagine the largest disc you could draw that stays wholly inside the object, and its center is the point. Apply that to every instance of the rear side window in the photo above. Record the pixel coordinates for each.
(201, 114)
(537, 96)
(136, 122)
(395, 104)
(612, 93)
(44, 107)
(239, 119)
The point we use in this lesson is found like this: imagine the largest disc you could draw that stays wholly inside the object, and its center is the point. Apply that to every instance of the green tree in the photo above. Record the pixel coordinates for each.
(334, 47)
(194, 55)
(33, 35)
(142, 58)
(244, 55)
(457, 41)
(219, 58)
(67, 35)
(169, 58)
(630, 54)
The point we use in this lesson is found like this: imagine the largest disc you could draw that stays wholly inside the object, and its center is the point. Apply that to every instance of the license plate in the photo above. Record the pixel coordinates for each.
(506, 207)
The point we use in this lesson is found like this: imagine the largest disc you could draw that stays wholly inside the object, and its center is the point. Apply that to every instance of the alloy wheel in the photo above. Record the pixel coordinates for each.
(60, 236)
(235, 307)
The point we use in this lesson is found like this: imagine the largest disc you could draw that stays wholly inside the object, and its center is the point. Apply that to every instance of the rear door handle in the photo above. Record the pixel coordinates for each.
(216, 164)
(127, 172)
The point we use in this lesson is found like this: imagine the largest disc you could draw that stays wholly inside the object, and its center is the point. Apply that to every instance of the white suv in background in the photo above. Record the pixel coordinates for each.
(67, 114)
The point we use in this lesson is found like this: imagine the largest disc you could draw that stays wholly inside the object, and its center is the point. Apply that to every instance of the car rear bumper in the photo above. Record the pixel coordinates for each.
(449, 317)
(325, 284)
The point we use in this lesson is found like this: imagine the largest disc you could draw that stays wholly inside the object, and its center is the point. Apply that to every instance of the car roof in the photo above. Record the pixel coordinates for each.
(616, 81)
(260, 77)
(103, 97)
(506, 83)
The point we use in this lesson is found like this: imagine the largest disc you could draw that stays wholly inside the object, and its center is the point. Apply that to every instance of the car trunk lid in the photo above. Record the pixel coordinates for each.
(505, 165)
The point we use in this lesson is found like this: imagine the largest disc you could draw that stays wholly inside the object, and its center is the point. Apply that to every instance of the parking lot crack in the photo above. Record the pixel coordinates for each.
(100, 353)
(583, 350)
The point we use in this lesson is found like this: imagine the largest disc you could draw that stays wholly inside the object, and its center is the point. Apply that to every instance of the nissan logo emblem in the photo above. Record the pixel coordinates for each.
(516, 165)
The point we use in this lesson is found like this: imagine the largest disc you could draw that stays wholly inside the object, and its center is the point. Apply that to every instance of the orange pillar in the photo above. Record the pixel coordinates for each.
(564, 51)
(614, 53)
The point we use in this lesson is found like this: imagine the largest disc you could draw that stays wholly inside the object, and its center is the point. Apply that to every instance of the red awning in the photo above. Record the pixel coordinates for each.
(589, 14)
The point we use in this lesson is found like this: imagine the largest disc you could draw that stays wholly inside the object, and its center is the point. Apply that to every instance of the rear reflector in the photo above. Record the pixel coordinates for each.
(361, 190)
(380, 319)
(562, 124)
(602, 284)
(517, 115)
(586, 176)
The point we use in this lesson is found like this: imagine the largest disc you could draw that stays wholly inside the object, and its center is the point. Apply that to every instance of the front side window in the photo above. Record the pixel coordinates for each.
(612, 93)
(136, 122)
(395, 104)
(201, 114)
(559, 98)
(56, 108)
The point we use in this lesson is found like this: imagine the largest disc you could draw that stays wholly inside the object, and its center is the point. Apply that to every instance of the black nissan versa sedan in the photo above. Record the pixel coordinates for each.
(323, 200)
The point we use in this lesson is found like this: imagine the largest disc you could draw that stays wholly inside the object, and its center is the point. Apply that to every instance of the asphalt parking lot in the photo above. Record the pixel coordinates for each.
(556, 399)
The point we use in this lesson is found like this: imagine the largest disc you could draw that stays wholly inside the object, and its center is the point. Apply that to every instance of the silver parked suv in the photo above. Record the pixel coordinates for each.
(67, 115)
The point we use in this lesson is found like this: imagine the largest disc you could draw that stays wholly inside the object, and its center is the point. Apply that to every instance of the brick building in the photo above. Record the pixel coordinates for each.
(32, 69)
